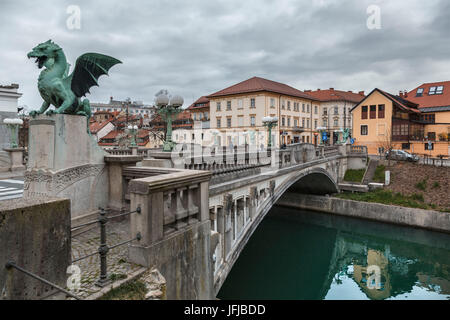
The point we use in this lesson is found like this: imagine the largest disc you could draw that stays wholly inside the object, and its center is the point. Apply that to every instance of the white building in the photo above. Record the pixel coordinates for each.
(8, 109)
(335, 108)
(134, 107)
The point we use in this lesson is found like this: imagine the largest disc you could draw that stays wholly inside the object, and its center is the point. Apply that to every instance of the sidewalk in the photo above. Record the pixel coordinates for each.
(11, 175)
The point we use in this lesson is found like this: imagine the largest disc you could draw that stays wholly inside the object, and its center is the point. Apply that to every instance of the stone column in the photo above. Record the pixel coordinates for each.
(117, 184)
(253, 202)
(228, 228)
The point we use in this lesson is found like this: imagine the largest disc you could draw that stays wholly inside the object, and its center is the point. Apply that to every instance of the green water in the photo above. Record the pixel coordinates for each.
(303, 255)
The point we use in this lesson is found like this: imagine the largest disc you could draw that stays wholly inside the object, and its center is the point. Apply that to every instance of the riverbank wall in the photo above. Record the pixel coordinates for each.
(412, 217)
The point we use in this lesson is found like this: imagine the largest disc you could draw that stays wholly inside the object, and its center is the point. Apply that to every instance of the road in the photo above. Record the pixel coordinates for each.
(11, 188)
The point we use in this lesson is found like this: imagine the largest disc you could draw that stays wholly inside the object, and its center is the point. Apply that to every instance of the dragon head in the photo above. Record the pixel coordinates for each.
(45, 53)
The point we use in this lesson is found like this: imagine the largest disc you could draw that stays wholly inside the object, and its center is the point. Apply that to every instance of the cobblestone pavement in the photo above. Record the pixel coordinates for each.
(88, 242)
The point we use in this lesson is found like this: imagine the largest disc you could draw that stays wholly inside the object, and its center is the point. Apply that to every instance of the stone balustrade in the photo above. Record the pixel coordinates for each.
(175, 229)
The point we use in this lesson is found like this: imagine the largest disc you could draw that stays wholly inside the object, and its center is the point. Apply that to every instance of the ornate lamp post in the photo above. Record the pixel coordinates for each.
(270, 122)
(168, 111)
(132, 130)
(13, 125)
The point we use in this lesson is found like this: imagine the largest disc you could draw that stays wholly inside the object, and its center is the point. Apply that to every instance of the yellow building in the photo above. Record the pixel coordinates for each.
(237, 112)
(383, 120)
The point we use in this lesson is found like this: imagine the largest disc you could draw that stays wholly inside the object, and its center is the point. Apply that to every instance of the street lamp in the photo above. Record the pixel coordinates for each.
(168, 110)
(13, 125)
(270, 122)
(133, 131)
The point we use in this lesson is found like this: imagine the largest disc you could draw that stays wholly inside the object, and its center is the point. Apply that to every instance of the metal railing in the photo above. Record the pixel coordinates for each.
(12, 265)
(104, 248)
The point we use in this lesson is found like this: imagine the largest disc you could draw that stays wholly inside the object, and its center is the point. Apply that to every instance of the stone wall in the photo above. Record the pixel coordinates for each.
(427, 219)
(35, 235)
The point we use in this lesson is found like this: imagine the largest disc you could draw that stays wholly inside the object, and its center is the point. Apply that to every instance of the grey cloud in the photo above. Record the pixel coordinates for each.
(198, 47)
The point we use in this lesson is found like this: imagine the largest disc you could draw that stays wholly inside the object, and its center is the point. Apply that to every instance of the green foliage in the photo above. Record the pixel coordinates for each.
(379, 174)
(436, 185)
(388, 197)
(354, 175)
(421, 185)
(117, 276)
(134, 290)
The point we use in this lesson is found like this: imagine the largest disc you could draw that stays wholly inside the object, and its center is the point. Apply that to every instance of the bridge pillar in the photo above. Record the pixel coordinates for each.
(228, 208)
(175, 231)
(253, 202)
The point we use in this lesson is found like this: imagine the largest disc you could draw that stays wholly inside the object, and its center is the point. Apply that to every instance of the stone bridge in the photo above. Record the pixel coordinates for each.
(197, 216)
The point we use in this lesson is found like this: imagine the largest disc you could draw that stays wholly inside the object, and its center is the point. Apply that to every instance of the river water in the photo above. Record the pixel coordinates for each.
(297, 254)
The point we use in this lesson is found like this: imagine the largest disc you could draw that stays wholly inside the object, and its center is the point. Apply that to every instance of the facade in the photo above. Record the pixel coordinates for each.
(383, 120)
(136, 108)
(237, 113)
(334, 112)
(99, 129)
(9, 96)
(200, 112)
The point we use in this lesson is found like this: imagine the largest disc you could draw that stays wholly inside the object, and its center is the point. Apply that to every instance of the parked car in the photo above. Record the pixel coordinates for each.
(401, 155)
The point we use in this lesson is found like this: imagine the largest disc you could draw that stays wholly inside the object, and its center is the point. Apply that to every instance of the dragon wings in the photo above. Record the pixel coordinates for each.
(88, 68)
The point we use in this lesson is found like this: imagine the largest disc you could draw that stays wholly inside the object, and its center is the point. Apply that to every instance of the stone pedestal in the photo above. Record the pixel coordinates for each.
(15, 159)
(65, 161)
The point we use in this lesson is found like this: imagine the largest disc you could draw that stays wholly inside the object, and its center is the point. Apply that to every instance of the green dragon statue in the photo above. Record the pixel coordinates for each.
(62, 90)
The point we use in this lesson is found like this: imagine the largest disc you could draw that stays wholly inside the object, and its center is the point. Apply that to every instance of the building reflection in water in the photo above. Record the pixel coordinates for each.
(303, 255)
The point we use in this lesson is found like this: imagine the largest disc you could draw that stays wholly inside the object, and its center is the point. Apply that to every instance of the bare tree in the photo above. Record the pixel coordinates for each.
(385, 144)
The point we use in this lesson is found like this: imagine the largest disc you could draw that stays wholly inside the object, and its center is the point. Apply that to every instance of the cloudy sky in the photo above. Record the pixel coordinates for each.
(197, 47)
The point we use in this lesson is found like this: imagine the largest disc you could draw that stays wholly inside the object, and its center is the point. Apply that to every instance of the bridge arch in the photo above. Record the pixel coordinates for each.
(314, 180)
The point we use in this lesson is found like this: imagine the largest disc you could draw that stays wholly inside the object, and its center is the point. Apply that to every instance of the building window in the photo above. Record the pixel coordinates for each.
(336, 122)
(373, 112)
(307, 123)
(289, 121)
(240, 104)
(283, 121)
(218, 123)
(431, 136)
(364, 130)
(307, 108)
(325, 123)
(419, 92)
(316, 109)
(295, 123)
(381, 111)
(336, 110)
(406, 146)
(364, 112)
(303, 123)
(272, 102)
(315, 124)
(229, 122)
(289, 105)
(252, 121)
(218, 106)
(303, 107)
(429, 146)
(439, 89)
(282, 104)
(228, 105)
(428, 118)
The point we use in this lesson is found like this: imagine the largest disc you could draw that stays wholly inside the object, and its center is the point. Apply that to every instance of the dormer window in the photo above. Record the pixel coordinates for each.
(419, 92)
(439, 89)
(432, 91)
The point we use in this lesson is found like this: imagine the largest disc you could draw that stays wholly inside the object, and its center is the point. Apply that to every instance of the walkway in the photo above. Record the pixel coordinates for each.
(118, 266)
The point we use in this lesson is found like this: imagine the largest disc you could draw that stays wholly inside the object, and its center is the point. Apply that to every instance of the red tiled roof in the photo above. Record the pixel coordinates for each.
(399, 101)
(112, 135)
(435, 100)
(257, 84)
(203, 100)
(336, 95)
(97, 126)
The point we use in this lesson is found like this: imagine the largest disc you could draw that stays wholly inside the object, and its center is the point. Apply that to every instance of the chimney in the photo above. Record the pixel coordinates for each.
(350, 91)
(318, 89)
(331, 89)
(400, 94)
(405, 94)
(361, 93)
